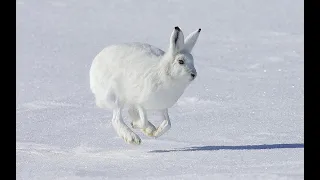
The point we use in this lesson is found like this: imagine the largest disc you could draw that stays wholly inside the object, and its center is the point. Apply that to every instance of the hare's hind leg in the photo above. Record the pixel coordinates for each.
(140, 121)
(122, 129)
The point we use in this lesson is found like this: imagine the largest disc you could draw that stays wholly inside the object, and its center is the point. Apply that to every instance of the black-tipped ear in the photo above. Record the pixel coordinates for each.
(176, 40)
(177, 28)
(191, 40)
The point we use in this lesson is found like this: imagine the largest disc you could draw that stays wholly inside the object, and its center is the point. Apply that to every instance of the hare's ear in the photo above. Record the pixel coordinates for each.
(191, 40)
(176, 40)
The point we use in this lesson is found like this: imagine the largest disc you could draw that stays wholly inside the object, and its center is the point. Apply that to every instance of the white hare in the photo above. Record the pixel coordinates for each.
(143, 78)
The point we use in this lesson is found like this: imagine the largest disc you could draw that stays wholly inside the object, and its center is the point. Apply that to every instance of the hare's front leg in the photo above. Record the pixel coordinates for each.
(164, 126)
(139, 120)
(122, 129)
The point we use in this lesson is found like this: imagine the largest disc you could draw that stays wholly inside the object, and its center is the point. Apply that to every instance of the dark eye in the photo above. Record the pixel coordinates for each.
(181, 61)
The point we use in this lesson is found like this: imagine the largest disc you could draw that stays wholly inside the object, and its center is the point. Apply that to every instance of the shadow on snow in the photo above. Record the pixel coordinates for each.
(242, 147)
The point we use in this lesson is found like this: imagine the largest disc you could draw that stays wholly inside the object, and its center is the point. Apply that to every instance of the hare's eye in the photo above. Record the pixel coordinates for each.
(181, 62)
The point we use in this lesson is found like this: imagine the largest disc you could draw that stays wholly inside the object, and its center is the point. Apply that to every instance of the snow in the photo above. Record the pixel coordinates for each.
(242, 118)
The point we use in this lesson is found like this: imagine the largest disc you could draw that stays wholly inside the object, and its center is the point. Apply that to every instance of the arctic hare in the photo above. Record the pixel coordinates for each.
(143, 77)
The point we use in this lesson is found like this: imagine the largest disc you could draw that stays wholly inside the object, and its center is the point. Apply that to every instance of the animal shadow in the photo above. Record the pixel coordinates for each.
(241, 147)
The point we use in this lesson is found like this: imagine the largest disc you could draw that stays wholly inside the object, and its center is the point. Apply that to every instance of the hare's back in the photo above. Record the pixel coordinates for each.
(117, 61)
(128, 49)
(144, 48)
(128, 56)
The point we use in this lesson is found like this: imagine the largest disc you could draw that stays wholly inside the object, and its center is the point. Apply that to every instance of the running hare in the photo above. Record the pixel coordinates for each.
(143, 78)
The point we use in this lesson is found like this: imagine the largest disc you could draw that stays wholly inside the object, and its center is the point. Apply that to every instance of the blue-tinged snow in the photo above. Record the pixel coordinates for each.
(242, 118)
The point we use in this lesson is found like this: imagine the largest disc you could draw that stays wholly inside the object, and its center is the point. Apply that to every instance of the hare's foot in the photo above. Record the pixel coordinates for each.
(127, 135)
(140, 121)
(123, 130)
(147, 129)
(164, 127)
(152, 131)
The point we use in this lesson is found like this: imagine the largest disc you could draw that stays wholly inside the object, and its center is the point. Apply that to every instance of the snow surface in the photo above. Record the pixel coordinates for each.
(242, 118)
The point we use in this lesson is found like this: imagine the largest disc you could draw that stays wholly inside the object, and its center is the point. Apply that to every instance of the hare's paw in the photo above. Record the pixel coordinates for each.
(131, 138)
(149, 130)
(164, 127)
(127, 135)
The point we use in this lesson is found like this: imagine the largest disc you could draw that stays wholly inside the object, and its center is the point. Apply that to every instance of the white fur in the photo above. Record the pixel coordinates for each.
(142, 77)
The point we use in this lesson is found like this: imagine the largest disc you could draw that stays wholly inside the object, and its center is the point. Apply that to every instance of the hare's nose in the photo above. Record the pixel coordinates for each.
(193, 75)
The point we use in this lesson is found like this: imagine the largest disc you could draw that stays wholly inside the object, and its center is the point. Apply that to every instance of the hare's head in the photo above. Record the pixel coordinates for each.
(181, 64)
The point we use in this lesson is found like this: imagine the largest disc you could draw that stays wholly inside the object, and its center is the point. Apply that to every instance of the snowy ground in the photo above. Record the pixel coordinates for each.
(242, 118)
